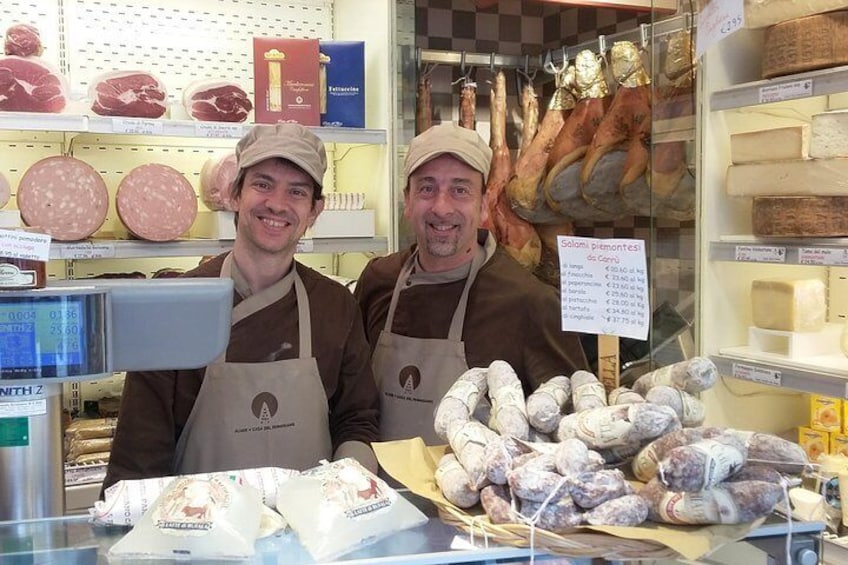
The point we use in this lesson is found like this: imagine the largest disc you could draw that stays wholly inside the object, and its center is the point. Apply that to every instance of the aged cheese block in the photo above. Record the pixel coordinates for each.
(777, 144)
(829, 135)
(809, 177)
(800, 216)
(763, 13)
(789, 305)
(806, 44)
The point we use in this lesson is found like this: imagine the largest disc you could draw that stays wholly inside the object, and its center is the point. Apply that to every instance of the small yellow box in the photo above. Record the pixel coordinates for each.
(825, 413)
(813, 442)
(838, 444)
(845, 417)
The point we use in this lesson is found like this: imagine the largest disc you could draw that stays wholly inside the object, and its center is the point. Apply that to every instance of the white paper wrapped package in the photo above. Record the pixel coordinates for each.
(193, 518)
(338, 507)
(126, 501)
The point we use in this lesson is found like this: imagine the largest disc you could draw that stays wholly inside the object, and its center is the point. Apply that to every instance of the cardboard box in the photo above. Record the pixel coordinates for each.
(343, 223)
(285, 80)
(814, 442)
(342, 83)
(838, 444)
(825, 413)
(214, 225)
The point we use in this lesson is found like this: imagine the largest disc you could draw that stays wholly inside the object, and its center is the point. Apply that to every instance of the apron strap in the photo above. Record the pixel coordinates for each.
(304, 321)
(405, 271)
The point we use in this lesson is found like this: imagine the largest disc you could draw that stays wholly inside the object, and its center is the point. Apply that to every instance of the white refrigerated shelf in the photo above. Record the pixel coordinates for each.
(791, 87)
(823, 374)
(80, 123)
(831, 252)
(126, 249)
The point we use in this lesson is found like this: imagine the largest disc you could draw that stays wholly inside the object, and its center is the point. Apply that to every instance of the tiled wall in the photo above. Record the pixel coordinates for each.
(513, 27)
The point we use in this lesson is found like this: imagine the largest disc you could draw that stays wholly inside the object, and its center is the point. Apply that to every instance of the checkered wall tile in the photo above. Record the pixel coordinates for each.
(514, 27)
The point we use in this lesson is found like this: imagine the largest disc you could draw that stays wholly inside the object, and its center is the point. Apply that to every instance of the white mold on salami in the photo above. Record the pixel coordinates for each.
(628, 511)
(454, 482)
(689, 410)
(461, 399)
(546, 404)
(702, 464)
(507, 396)
(587, 391)
(692, 375)
(646, 462)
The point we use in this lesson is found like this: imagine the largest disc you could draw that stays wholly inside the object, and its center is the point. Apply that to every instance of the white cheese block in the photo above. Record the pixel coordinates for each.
(789, 305)
(778, 144)
(809, 177)
(830, 135)
(763, 13)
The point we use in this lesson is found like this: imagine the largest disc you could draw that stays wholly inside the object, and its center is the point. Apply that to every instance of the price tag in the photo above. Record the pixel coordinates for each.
(786, 91)
(24, 245)
(716, 21)
(136, 126)
(214, 129)
(823, 256)
(604, 286)
(23, 408)
(305, 246)
(757, 374)
(760, 253)
(88, 250)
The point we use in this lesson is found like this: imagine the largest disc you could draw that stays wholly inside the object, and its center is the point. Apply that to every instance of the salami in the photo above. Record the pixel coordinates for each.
(688, 408)
(556, 516)
(692, 375)
(774, 451)
(507, 396)
(590, 489)
(545, 405)
(497, 504)
(216, 180)
(587, 391)
(156, 202)
(646, 463)
(629, 510)
(455, 483)
(460, 400)
(703, 464)
(63, 196)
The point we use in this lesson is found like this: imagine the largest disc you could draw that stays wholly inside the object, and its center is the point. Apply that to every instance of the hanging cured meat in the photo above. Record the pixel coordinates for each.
(529, 115)
(468, 104)
(423, 104)
(525, 190)
(548, 270)
(562, 184)
(517, 236)
(619, 152)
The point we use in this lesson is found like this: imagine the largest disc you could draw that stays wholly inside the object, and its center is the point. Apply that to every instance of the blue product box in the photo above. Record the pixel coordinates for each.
(343, 83)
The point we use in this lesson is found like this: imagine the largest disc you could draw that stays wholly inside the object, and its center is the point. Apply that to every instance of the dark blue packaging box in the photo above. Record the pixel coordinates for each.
(344, 73)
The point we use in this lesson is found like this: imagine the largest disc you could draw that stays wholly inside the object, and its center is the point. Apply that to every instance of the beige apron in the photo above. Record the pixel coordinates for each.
(414, 373)
(272, 414)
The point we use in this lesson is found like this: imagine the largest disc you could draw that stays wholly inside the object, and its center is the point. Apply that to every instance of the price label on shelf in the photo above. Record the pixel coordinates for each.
(760, 253)
(214, 129)
(757, 374)
(604, 286)
(136, 126)
(305, 246)
(88, 250)
(823, 256)
(786, 91)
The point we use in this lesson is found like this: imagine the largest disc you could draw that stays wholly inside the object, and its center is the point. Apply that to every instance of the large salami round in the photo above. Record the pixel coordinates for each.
(156, 202)
(216, 179)
(63, 196)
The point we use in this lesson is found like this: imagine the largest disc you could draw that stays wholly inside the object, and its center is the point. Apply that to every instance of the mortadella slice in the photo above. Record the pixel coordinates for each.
(155, 202)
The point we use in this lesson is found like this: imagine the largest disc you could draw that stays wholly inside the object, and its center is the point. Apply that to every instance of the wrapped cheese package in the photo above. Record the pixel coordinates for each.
(338, 507)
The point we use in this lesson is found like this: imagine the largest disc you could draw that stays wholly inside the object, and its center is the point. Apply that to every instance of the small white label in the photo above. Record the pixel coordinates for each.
(217, 129)
(757, 374)
(86, 250)
(305, 246)
(823, 256)
(786, 91)
(717, 20)
(760, 253)
(24, 408)
(136, 126)
(16, 244)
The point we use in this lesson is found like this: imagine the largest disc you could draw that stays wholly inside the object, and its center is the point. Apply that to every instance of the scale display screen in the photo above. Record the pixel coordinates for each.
(52, 336)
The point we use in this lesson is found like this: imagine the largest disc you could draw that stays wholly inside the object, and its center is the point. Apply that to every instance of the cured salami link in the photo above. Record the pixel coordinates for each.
(557, 516)
(155, 202)
(546, 404)
(703, 464)
(497, 503)
(63, 196)
(455, 483)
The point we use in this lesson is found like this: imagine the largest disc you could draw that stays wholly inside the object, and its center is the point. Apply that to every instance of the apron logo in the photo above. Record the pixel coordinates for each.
(409, 378)
(264, 406)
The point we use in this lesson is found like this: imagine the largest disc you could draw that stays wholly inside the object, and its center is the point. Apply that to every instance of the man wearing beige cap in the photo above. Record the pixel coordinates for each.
(295, 384)
(455, 299)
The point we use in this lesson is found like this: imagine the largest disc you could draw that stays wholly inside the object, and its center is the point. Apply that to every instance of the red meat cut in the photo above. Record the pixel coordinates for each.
(28, 84)
(216, 101)
(23, 40)
(132, 94)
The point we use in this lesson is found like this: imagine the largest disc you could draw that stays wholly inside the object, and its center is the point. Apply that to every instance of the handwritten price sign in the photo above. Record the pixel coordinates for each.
(717, 20)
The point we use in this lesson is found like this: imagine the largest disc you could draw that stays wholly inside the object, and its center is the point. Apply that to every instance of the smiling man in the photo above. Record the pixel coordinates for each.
(295, 384)
(454, 299)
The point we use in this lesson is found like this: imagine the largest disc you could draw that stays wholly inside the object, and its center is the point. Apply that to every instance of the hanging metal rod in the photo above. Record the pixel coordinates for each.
(641, 36)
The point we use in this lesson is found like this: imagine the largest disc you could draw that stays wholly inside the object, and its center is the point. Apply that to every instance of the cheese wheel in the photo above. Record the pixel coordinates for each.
(800, 216)
(155, 202)
(806, 44)
(63, 196)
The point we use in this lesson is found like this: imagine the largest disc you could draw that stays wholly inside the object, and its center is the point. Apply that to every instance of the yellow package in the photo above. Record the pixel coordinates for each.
(813, 442)
(845, 417)
(825, 413)
(838, 444)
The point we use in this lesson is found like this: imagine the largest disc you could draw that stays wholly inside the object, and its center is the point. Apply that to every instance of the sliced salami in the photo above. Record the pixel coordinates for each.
(63, 196)
(5, 190)
(155, 202)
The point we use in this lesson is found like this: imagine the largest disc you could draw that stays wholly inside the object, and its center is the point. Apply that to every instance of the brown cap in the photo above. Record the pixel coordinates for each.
(462, 143)
(292, 142)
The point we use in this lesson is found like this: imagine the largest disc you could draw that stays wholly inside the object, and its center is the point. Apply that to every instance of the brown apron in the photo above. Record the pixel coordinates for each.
(272, 414)
(413, 374)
